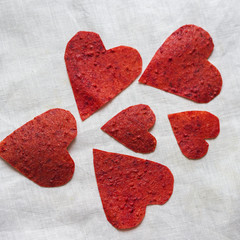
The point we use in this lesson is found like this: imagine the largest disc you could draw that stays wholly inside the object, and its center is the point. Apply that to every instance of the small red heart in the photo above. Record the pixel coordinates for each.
(130, 127)
(180, 66)
(191, 129)
(97, 75)
(38, 149)
(128, 184)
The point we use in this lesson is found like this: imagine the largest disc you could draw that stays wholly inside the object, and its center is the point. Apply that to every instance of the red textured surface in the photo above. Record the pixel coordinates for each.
(38, 149)
(180, 66)
(130, 127)
(191, 129)
(128, 184)
(97, 75)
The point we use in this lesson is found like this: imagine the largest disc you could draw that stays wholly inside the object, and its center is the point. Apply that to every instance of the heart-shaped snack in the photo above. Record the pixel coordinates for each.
(130, 127)
(180, 66)
(128, 184)
(191, 129)
(97, 75)
(38, 149)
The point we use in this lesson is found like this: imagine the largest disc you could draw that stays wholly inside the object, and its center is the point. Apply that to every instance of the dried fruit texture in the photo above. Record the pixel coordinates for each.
(38, 149)
(130, 127)
(128, 184)
(180, 66)
(97, 75)
(191, 129)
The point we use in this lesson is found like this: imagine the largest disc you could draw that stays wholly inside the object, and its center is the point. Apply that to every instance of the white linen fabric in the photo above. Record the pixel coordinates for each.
(205, 204)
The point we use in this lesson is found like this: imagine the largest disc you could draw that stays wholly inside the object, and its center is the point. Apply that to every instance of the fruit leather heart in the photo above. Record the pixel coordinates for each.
(130, 127)
(38, 149)
(180, 66)
(191, 129)
(128, 184)
(97, 75)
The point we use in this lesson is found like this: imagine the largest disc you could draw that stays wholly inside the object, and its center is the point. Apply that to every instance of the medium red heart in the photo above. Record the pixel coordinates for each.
(130, 127)
(38, 149)
(97, 75)
(128, 184)
(180, 66)
(191, 129)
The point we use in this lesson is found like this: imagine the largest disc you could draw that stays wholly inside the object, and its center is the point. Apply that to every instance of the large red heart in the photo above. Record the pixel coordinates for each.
(180, 66)
(128, 184)
(38, 149)
(191, 129)
(130, 127)
(97, 75)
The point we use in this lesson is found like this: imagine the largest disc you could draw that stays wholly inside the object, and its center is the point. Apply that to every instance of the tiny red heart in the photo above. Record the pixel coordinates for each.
(180, 66)
(97, 75)
(130, 127)
(128, 184)
(38, 149)
(191, 129)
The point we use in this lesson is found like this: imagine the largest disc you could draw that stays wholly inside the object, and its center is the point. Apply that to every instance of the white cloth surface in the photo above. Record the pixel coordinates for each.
(205, 204)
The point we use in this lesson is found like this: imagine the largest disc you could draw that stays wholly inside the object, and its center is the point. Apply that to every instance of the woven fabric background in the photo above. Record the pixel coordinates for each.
(205, 204)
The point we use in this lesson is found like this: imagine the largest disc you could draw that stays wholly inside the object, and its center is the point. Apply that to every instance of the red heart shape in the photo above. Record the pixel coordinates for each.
(128, 184)
(191, 129)
(97, 75)
(130, 127)
(38, 149)
(180, 66)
